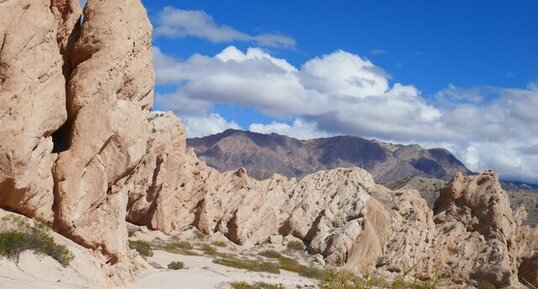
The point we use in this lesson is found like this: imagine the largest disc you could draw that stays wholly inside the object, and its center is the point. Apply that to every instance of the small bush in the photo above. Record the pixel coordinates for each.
(257, 285)
(176, 265)
(142, 247)
(35, 238)
(248, 265)
(271, 254)
(221, 244)
(295, 245)
(289, 264)
(183, 248)
(486, 285)
(340, 279)
(209, 250)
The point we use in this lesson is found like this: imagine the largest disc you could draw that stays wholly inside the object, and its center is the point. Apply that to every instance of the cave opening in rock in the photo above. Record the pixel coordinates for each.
(60, 138)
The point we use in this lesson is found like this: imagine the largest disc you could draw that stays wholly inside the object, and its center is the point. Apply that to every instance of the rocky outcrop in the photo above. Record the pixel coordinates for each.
(474, 218)
(84, 154)
(108, 98)
(32, 99)
(167, 181)
(473, 237)
(75, 103)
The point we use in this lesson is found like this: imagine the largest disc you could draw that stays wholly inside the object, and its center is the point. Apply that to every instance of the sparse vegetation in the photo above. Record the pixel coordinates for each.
(341, 279)
(176, 265)
(271, 254)
(34, 238)
(292, 265)
(295, 245)
(250, 265)
(199, 235)
(221, 244)
(142, 247)
(183, 248)
(486, 285)
(257, 285)
(209, 250)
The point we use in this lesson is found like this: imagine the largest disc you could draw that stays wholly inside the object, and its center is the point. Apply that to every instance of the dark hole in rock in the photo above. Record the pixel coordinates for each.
(60, 138)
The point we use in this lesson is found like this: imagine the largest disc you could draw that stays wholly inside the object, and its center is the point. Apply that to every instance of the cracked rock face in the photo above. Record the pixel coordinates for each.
(108, 98)
(32, 99)
(340, 214)
(84, 153)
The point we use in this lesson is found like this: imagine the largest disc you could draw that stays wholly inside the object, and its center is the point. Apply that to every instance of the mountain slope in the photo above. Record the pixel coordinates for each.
(265, 154)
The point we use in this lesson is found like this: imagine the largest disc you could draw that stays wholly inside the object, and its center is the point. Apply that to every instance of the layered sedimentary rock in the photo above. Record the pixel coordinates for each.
(34, 39)
(108, 97)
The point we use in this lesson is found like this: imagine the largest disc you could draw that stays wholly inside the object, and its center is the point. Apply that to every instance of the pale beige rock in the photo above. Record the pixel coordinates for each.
(32, 99)
(528, 266)
(475, 223)
(109, 94)
(118, 161)
(412, 245)
(166, 186)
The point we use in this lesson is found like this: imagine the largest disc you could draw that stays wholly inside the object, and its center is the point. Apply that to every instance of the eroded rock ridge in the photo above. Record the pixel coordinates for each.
(83, 153)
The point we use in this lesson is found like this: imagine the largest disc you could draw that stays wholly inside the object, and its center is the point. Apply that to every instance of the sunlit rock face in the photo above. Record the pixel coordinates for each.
(83, 152)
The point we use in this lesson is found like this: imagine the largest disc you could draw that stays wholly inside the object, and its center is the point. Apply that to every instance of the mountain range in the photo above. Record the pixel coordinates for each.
(264, 154)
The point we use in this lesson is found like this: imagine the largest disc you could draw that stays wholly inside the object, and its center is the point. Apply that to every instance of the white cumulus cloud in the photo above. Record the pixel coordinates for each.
(343, 93)
(178, 23)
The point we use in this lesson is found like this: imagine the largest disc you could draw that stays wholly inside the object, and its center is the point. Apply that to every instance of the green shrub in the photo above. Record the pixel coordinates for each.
(36, 238)
(289, 264)
(209, 250)
(176, 265)
(486, 285)
(248, 265)
(271, 254)
(257, 285)
(142, 247)
(221, 244)
(183, 248)
(340, 279)
(295, 245)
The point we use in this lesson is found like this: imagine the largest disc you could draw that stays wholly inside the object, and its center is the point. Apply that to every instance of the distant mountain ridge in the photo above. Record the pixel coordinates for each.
(264, 154)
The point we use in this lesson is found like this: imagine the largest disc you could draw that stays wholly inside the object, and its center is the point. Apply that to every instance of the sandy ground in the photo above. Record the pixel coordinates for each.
(34, 271)
(202, 273)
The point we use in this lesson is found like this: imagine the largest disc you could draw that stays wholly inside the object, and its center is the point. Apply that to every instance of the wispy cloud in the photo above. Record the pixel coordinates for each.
(378, 51)
(177, 23)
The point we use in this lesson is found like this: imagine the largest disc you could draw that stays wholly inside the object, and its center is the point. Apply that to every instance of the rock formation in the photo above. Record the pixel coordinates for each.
(32, 99)
(341, 214)
(84, 154)
(108, 98)
(75, 101)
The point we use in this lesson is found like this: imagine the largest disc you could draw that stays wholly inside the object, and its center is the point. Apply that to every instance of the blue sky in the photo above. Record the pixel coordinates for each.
(461, 74)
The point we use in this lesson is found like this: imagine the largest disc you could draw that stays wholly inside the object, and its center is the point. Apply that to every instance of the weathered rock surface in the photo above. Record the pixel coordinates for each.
(345, 217)
(85, 154)
(108, 98)
(32, 99)
(475, 217)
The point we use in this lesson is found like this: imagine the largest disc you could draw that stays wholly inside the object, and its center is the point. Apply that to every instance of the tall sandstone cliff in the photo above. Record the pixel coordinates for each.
(82, 152)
